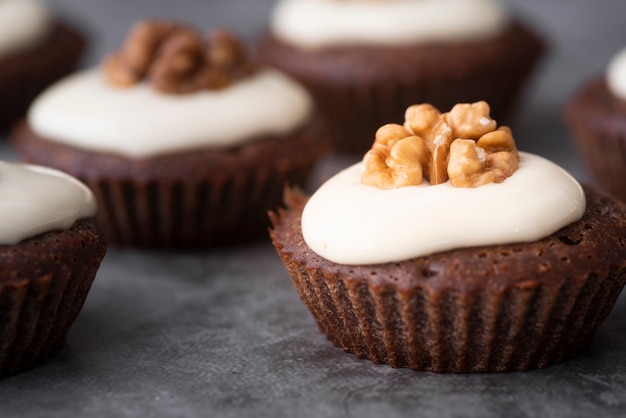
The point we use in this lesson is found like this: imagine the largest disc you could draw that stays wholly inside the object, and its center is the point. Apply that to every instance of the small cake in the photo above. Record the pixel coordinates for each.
(446, 249)
(35, 50)
(50, 250)
(185, 141)
(365, 61)
(596, 117)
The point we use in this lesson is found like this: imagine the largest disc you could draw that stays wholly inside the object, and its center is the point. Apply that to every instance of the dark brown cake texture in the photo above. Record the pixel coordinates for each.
(44, 281)
(597, 120)
(359, 88)
(25, 74)
(483, 309)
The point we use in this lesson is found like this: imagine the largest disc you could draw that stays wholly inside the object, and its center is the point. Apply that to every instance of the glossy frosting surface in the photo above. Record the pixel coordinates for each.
(327, 23)
(350, 223)
(35, 199)
(83, 110)
(23, 23)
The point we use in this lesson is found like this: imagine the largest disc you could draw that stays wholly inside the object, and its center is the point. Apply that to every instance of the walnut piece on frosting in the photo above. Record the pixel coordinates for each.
(463, 145)
(176, 59)
(387, 160)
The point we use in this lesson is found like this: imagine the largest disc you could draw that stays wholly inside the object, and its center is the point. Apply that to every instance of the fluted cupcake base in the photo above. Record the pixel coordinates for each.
(496, 308)
(191, 215)
(44, 282)
(515, 330)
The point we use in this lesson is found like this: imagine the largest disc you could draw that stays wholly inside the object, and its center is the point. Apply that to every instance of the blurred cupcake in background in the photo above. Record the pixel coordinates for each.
(36, 49)
(596, 117)
(185, 141)
(50, 251)
(365, 61)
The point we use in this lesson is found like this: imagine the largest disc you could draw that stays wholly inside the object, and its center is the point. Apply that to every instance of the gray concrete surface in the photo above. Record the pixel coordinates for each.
(222, 333)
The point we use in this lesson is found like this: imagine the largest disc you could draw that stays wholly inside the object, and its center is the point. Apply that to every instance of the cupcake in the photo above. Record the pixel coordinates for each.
(185, 141)
(50, 250)
(596, 116)
(366, 61)
(35, 50)
(448, 250)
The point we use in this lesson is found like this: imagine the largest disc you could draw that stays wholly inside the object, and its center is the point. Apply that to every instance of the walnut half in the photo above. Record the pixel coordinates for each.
(463, 146)
(396, 159)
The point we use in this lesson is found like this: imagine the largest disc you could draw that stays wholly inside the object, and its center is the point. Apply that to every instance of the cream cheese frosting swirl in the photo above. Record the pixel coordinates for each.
(350, 223)
(85, 111)
(616, 74)
(35, 200)
(23, 23)
(328, 23)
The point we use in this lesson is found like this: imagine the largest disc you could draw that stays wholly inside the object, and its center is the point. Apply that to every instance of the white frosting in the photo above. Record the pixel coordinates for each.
(22, 24)
(616, 74)
(85, 111)
(350, 223)
(324, 23)
(35, 199)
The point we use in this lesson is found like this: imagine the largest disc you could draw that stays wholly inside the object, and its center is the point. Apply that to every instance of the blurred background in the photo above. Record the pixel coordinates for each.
(582, 36)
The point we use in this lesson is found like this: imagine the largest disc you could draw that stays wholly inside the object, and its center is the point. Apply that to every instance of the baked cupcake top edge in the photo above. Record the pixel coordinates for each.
(36, 199)
(169, 89)
(444, 183)
(23, 24)
(330, 23)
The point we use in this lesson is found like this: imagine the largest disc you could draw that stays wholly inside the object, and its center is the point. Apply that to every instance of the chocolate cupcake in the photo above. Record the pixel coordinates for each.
(596, 117)
(50, 250)
(455, 255)
(364, 71)
(35, 50)
(185, 142)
